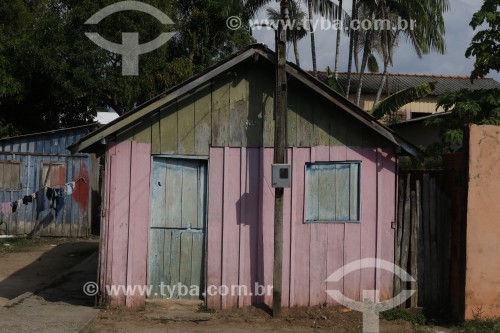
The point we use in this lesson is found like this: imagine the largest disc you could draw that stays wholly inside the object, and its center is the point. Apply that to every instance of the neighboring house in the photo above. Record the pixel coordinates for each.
(105, 117)
(188, 194)
(416, 131)
(396, 82)
(30, 162)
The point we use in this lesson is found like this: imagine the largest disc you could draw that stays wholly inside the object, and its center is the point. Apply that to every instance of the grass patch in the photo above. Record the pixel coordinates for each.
(414, 318)
(205, 309)
(482, 326)
(23, 244)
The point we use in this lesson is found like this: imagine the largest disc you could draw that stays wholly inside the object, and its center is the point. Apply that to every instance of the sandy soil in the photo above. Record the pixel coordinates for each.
(32, 268)
(158, 317)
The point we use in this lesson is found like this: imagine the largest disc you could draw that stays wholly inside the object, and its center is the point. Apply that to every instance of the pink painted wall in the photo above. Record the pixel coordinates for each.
(125, 226)
(483, 228)
(240, 227)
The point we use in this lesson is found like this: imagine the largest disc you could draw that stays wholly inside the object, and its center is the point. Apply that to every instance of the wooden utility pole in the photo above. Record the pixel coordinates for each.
(280, 157)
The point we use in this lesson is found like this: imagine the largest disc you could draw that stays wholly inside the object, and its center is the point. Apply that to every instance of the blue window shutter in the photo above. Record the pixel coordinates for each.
(332, 192)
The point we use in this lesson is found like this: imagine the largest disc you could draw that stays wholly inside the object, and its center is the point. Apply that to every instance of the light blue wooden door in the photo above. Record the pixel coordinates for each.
(177, 234)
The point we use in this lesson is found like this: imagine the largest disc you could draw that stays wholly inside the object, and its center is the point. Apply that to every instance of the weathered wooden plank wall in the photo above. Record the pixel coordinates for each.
(236, 109)
(240, 237)
(32, 155)
(423, 245)
(125, 226)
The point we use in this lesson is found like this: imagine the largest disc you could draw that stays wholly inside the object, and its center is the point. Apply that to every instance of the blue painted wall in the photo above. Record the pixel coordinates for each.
(32, 152)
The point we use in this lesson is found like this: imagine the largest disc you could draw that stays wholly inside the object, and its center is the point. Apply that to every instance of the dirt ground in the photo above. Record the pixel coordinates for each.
(173, 317)
(27, 266)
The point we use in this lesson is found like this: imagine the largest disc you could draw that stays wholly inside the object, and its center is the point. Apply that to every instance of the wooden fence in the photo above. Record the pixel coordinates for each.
(423, 241)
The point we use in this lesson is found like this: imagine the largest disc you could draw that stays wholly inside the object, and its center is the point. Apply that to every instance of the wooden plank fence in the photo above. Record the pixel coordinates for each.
(423, 242)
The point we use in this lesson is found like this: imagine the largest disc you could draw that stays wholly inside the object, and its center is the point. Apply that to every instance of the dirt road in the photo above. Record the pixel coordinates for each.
(31, 267)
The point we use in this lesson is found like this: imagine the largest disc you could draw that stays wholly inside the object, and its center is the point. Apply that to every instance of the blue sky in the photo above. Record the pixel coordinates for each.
(458, 37)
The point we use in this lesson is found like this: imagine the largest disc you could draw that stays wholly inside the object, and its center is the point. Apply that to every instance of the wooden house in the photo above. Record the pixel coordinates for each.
(30, 162)
(189, 197)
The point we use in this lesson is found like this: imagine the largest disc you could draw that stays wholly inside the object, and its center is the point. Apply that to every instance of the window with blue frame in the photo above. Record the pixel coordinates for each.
(332, 192)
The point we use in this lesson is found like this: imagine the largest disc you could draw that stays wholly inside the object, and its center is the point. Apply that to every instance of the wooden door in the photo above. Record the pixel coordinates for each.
(177, 233)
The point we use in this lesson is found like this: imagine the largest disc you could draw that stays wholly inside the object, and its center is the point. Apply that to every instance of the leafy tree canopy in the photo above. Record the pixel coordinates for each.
(52, 75)
(485, 45)
(468, 107)
(475, 106)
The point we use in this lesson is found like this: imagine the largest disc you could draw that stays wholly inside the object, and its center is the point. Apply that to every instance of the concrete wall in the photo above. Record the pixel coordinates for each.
(483, 224)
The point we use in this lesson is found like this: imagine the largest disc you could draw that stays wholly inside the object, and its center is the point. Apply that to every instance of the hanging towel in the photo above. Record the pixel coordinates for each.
(69, 188)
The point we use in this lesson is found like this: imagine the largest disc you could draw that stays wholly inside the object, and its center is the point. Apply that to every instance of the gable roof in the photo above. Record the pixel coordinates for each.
(255, 51)
(397, 82)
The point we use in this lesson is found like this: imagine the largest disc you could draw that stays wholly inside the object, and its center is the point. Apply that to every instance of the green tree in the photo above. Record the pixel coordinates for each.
(52, 75)
(485, 46)
(474, 106)
(467, 107)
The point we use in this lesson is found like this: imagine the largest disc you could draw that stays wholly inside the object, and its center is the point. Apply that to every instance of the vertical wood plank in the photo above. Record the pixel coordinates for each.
(189, 194)
(186, 260)
(238, 113)
(414, 244)
(155, 133)
(433, 241)
(197, 264)
(186, 125)
(387, 215)
(169, 137)
(173, 194)
(319, 241)
(231, 220)
(302, 232)
(405, 247)
(245, 257)
(120, 222)
(266, 249)
(140, 199)
(220, 111)
(203, 119)
(214, 227)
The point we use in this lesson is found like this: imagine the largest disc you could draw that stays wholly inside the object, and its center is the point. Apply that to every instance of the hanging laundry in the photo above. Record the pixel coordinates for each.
(13, 206)
(52, 195)
(60, 200)
(40, 201)
(69, 188)
(27, 199)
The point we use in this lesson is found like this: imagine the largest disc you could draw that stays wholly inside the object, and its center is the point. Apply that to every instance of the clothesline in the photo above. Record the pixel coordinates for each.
(51, 193)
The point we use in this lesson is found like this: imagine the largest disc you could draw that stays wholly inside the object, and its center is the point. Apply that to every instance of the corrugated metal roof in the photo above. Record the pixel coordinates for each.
(90, 127)
(397, 82)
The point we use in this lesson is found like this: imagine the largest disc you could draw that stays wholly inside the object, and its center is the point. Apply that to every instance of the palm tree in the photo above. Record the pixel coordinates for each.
(313, 39)
(297, 31)
(337, 46)
(425, 38)
(352, 42)
(325, 8)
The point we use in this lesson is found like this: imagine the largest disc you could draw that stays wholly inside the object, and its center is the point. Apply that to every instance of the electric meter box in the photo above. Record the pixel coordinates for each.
(282, 176)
